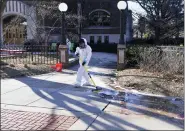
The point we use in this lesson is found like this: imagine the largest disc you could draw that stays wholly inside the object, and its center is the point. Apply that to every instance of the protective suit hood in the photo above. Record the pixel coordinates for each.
(85, 41)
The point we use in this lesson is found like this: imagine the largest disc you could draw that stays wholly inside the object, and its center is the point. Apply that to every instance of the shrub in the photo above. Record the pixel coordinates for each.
(151, 41)
(157, 59)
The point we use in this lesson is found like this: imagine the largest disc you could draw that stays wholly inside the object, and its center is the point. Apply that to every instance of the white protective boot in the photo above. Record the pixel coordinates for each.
(87, 84)
(77, 85)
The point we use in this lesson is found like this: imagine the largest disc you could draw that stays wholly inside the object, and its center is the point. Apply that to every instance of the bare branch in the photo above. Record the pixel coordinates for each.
(163, 16)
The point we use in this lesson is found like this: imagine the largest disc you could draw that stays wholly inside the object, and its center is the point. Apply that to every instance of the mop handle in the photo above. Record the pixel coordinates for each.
(90, 76)
(88, 73)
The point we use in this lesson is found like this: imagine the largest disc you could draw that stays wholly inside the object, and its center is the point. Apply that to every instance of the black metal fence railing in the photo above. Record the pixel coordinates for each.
(38, 54)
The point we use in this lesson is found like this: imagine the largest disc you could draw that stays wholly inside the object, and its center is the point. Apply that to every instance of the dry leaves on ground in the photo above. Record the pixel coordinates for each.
(155, 83)
(24, 70)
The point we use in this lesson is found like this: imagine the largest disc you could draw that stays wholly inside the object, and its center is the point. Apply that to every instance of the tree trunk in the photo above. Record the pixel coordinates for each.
(157, 35)
(79, 14)
(136, 34)
(141, 35)
(176, 23)
(1, 30)
(177, 33)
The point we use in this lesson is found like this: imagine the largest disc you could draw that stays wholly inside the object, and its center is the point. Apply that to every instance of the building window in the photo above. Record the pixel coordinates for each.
(6, 34)
(24, 35)
(99, 18)
(99, 40)
(9, 6)
(13, 33)
(13, 5)
(92, 39)
(9, 33)
(16, 33)
(106, 39)
(24, 9)
(16, 6)
(20, 7)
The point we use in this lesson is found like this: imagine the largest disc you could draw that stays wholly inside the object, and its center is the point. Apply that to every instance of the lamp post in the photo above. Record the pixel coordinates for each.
(63, 48)
(122, 6)
(63, 8)
(79, 12)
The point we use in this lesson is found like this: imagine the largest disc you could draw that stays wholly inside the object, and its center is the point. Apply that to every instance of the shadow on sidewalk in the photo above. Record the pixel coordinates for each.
(75, 100)
(64, 97)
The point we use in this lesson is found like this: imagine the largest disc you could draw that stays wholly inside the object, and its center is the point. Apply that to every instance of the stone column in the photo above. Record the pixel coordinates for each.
(31, 22)
(121, 47)
(121, 57)
(64, 58)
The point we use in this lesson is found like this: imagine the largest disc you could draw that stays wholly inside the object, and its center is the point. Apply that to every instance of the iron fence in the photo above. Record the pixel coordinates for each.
(29, 54)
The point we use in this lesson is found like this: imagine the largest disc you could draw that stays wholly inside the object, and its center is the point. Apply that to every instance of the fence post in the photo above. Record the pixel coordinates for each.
(32, 52)
(57, 56)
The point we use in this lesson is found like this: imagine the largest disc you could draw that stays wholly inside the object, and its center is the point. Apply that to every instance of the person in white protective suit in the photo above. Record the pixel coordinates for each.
(84, 52)
(69, 45)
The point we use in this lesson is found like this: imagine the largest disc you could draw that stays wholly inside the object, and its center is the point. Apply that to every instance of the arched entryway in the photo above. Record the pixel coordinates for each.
(24, 26)
(14, 29)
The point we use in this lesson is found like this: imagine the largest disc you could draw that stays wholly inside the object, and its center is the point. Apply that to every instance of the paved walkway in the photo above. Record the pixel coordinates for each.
(51, 101)
(24, 120)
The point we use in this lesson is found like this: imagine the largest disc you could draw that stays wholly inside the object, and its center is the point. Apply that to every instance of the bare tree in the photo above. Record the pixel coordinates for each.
(49, 20)
(142, 26)
(165, 17)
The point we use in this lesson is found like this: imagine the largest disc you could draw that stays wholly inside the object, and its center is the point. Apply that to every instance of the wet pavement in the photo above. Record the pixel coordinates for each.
(137, 102)
(147, 105)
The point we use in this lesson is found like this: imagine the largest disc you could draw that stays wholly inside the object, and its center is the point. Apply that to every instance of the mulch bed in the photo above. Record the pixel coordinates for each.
(155, 83)
(18, 70)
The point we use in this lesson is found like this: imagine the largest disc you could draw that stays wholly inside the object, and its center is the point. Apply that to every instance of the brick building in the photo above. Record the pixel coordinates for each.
(102, 23)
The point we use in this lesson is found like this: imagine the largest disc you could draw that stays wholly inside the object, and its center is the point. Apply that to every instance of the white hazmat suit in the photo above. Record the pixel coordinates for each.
(69, 45)
(84, 55)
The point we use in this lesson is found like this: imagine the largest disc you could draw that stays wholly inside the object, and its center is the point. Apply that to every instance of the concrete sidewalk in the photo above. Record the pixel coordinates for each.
(75, 108)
